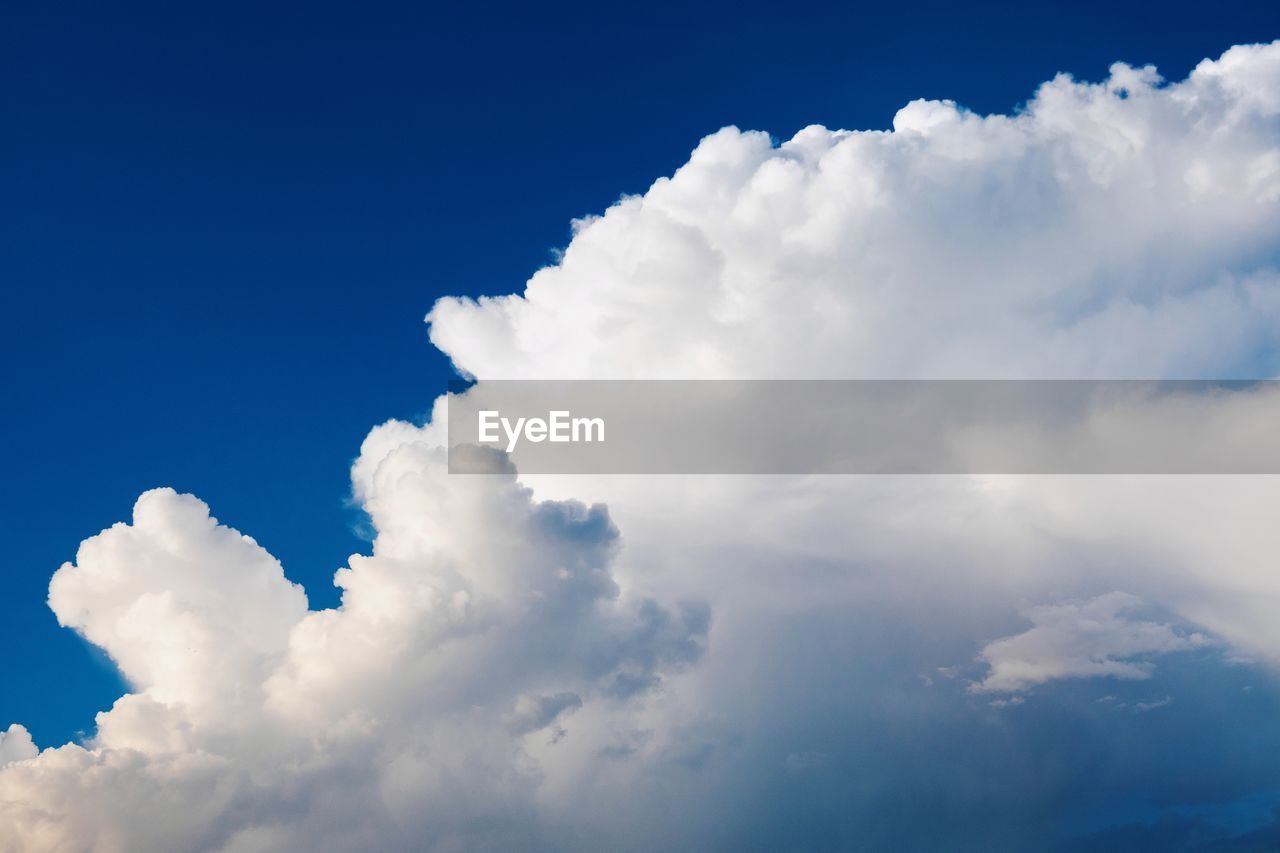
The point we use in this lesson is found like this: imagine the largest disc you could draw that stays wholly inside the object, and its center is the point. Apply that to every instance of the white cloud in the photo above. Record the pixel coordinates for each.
(482, 618)
(1081, 640)
(193, 613)
(1119, 229)
(16, 745)
(503, 673)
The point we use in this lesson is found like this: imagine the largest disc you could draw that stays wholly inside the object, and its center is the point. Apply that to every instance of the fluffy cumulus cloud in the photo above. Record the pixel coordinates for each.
(1120, 229)
(16, 745)
(481, 622)
(729, 663)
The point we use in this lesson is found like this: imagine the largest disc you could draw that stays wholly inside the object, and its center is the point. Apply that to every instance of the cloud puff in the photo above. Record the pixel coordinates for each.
(192, 612)
(1081, 640)
(503, 673)
(16, 745)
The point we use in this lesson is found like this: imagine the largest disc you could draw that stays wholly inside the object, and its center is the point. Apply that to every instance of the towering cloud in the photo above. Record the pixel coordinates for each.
(724, 662)
(1126, 228)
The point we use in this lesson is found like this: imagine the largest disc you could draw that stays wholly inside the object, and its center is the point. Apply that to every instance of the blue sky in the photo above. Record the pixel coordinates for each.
(222, 226)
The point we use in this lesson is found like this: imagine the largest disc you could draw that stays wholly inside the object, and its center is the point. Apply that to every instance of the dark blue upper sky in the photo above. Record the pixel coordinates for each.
(222, 224)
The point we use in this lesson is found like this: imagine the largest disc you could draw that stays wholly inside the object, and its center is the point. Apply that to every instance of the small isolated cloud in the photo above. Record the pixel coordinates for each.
(1135, 707)
(1089, 639)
